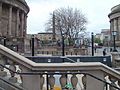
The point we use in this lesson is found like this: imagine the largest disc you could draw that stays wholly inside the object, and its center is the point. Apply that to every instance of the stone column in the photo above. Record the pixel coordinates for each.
(0, 18)
(27, 80)
(17, 22)
(119, 27)
(22, 24)
(10, 20)
(25, 25)
(114, 24)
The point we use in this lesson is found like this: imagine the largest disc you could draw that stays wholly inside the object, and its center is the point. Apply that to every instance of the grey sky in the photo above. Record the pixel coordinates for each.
(95, 10)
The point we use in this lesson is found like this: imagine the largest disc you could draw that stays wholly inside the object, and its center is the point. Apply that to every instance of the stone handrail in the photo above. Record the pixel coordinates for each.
(27, 66)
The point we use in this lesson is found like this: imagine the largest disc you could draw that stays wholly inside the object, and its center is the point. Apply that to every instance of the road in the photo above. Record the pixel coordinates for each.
(99, 51)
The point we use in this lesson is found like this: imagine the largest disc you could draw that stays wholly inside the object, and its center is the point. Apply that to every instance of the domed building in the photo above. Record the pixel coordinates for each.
(13, 23)
(114, 17)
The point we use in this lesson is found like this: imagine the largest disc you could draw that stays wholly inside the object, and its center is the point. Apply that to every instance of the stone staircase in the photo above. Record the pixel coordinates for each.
(7, 83)
(42, 76)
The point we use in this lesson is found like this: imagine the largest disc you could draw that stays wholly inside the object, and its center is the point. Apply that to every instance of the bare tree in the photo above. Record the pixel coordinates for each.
(68, 22)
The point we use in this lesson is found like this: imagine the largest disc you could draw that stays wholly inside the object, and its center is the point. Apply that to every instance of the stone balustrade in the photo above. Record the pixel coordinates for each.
(68, 76)
(115, 59)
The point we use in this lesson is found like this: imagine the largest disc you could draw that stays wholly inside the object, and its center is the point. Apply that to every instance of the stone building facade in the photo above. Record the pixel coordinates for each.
(13, 23)
(114, 17)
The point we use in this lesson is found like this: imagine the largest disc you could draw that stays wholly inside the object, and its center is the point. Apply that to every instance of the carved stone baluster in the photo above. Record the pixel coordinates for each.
(13, 68)
(63, 81)
(74, 81)
(51, 81)
(2, 62)
(20, 71)
(119, 83)
(84, 81)
(41, 81)
(113, 83)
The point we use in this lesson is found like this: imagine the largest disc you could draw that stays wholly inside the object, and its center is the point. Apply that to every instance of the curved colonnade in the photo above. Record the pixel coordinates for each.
(114, 17)
(13, 22)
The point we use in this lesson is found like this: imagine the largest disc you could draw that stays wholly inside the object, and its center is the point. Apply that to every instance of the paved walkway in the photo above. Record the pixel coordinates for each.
(99, 52)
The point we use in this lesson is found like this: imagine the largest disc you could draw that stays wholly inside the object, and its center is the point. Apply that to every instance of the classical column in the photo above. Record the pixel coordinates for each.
(10, 20)
(117, 29)
(25, 25)
(111, 29)
(0, 18)
(17, 22)
(22, 23)
(115, 24)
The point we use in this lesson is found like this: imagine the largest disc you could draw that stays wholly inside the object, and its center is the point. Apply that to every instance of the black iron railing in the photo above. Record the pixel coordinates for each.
(55, 73)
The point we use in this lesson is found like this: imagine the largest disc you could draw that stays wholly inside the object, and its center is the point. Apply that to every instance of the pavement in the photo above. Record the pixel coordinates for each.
(99, 51)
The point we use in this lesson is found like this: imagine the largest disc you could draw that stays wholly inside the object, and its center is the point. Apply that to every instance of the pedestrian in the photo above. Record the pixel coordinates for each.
(95, 48)
(104, 52)
(110, 49)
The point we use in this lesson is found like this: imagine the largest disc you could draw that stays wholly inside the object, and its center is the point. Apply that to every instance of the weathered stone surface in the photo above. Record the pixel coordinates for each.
(13, 15)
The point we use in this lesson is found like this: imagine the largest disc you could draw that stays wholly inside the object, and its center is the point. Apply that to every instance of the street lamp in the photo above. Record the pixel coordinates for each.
(92, 39)
(114, 33)
(63, 46)
(4, 42)
(62, 37)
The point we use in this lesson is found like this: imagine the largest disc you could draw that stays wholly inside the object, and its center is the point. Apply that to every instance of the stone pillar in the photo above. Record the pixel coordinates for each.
(111, 29)
(96, 84)
(25, 25)
(17, 22)
(119, 27)
(27, 80)
(115, 25)
(0, 18)
(10, 21)
(22, 23)
(115, 55)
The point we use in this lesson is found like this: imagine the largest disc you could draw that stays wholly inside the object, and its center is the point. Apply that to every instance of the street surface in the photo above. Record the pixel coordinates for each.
(99, 51)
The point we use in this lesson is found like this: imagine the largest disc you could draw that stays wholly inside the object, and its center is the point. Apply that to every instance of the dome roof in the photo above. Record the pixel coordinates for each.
(23, 1)
(115, 9)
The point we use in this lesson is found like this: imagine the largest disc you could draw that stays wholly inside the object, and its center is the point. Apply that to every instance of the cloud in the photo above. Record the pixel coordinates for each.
(95, 10)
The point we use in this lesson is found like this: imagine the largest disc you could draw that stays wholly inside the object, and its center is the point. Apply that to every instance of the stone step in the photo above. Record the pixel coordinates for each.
(2, 88)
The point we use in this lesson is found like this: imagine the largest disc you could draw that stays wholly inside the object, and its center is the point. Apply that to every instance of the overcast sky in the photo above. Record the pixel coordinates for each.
(96, 12)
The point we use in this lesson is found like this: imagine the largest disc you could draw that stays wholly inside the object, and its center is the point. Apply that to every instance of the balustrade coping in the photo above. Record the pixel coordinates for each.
(57, 66)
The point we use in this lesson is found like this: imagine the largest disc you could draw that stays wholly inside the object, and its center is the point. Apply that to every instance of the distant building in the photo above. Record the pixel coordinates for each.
(45, 45)
(104, 36)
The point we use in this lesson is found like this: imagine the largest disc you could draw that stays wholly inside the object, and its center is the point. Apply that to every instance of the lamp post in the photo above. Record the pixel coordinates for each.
(92, 39)
(62, 37)
(114, 45)
(4, 42)
(32, 45)
(63, 46)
